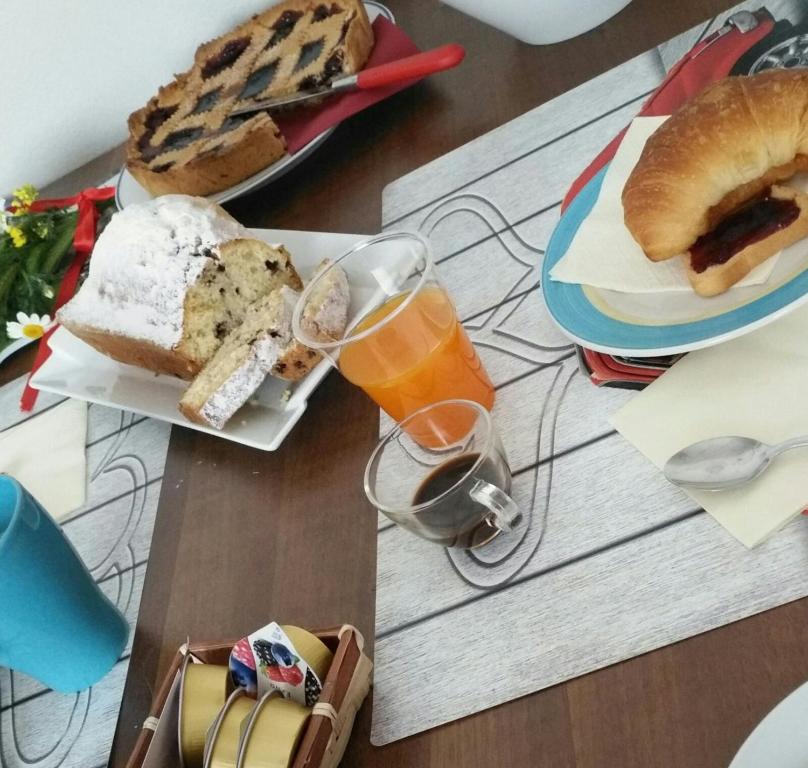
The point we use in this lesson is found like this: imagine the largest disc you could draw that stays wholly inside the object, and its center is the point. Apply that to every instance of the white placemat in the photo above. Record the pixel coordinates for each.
(627, 563)
(126, 454)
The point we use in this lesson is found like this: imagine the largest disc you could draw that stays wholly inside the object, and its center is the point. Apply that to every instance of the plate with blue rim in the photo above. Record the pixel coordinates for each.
(656, 324)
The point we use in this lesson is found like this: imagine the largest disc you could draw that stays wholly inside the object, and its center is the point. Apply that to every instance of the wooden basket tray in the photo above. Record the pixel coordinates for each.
(344, 689)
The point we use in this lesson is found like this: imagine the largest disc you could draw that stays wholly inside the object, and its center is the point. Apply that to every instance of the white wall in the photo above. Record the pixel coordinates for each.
(73, 71)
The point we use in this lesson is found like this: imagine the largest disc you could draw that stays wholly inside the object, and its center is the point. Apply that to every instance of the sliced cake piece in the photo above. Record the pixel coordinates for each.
(326, 312)
(263, 344)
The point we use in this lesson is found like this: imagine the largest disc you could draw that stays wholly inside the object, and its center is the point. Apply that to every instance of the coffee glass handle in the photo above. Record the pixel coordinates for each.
(505, 515)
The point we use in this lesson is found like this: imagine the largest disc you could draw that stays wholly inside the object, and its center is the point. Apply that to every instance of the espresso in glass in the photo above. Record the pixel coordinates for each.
(453, 518)
(453, 492)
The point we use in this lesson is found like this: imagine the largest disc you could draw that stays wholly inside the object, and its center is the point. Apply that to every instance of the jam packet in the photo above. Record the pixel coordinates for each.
(268, 660)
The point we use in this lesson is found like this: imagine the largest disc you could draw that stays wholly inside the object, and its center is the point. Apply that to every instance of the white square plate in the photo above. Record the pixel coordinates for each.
(75, 369)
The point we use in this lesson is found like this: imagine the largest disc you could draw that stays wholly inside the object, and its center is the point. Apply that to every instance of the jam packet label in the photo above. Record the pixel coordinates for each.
(242, 667)
(267, 660)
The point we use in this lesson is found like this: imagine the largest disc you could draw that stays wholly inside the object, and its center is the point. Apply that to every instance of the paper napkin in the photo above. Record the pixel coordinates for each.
(605, 255)
(754, 386)
(46, 453)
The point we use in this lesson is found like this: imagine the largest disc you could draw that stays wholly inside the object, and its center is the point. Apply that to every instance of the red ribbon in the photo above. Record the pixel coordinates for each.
(83, 242)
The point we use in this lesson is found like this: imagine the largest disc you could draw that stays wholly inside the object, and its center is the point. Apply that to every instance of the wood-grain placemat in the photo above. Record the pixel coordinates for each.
(615, 562)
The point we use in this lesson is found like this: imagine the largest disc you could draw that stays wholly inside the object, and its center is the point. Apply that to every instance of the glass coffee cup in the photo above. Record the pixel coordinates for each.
(453, 491)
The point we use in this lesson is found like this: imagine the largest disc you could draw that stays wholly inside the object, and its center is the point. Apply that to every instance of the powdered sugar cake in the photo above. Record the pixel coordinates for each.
(75, 369)
(168, 280)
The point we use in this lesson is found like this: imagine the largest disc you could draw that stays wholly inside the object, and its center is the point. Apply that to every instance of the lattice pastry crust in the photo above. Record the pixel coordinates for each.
(184, 139)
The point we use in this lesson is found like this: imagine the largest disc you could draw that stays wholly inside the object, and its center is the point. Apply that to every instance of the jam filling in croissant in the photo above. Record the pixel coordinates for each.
(751, 223)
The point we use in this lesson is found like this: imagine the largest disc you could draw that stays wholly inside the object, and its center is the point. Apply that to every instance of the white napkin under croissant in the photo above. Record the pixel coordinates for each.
(605, 255)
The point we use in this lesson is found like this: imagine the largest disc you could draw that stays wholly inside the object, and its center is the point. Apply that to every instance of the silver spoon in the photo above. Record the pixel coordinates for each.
(724, 462)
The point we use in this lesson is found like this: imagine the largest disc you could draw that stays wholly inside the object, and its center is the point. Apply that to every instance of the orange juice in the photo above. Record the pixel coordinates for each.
(421, 356)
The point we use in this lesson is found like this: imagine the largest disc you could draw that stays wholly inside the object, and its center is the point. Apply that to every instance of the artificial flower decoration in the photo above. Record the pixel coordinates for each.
(43, 227)
(36, 250)
(24, 196)
(28, 326)
(17, 236)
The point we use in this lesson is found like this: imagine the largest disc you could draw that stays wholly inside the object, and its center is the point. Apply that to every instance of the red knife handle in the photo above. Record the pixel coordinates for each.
(419, 65)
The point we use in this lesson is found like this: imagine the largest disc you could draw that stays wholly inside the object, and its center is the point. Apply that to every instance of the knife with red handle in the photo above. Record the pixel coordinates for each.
(409, 68)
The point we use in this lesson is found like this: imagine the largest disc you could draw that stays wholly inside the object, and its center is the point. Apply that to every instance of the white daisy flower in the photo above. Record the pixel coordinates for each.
(3, 215)
(28, 326)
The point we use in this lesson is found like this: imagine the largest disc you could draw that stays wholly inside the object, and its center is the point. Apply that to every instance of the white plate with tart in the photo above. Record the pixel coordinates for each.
(181, 111)
(721, 188)
(75, 369)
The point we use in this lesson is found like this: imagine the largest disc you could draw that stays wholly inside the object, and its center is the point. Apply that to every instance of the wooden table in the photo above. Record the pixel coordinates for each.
(289, 535)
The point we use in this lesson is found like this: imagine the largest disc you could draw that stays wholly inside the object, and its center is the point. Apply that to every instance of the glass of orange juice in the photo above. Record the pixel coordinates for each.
(403, 343)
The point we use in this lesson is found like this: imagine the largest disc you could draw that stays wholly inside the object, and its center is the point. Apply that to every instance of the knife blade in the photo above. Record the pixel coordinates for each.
(419, 65)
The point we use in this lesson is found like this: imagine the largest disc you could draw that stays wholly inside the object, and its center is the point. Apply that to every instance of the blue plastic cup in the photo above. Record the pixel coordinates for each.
(56, 625)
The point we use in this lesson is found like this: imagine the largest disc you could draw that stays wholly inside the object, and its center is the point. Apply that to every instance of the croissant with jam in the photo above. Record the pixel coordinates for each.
(184, 140)
(707, 184)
